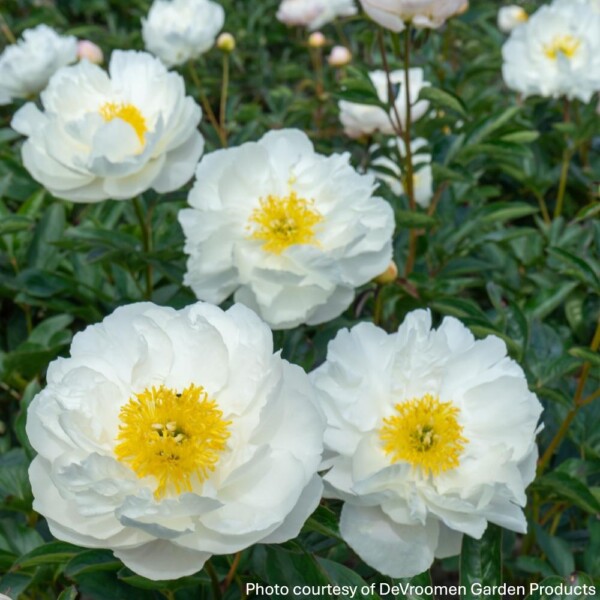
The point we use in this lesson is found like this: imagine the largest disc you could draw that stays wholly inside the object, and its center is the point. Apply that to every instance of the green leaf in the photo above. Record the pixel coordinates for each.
(344, 577)
(491, 125)
(580, 267)
(521, 137)
(499, 212)
(481, 563)
(557, 551)
(412, 219)
(443, 98)
(562, 486)
(586, 354)
(14, 224)
(69, 593)
(42, 253)
(50, 553)
(91, 561)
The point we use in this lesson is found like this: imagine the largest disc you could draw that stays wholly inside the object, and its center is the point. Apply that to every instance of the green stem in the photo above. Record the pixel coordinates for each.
(8, 34)
(223, 107)
(578, 402)
(543, 207)
(214, 581)
(146, 228)
(232, 571)
(408, 164)
(562, 186)
(378, 310)
(397, 124)
(208, 111)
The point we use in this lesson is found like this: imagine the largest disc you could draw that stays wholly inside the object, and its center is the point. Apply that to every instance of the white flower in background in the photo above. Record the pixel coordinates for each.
(593, 4)
(90, 51)
(314, 13)
(180, 30)
(510, 17)
(290, 231)
(112, 136)
(556, 53)
(169, 436)
(422, 177)
(26, 67)
(430, 435)
(365, 119)
(393, 14)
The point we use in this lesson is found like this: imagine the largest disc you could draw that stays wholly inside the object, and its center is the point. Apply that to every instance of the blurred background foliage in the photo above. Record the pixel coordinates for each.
(493, 250)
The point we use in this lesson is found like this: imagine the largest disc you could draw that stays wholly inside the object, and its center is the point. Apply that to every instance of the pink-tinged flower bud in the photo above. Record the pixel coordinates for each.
(226, 42)
(316, 40)
(340, 56)
(89, 51)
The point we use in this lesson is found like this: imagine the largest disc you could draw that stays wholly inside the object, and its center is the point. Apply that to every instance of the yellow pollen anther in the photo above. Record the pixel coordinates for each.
(190, 444)
(567, 45)
(128, 113)
(425, 433)
(283, 222)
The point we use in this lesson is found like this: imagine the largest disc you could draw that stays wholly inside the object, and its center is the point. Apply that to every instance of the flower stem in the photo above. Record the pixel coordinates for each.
(562, 186)
(146, 228)
(223, 107)
(543, 207)
(232, 571)
(578, 402)
(210, 115)
(397, 124)
(214, 581)
(408, 163)
(8, 34)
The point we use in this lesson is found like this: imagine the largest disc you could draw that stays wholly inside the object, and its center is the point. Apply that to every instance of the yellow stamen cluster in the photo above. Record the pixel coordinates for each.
(425, 433)
(283, 222)
(171, 436)
(567, 45)
(128, 113)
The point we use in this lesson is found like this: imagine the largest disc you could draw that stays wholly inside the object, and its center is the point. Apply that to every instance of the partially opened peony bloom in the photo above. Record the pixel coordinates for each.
(510, 17)
(169, 436)
(290, 231)
(365, 119)
(556, 53)
(430, 435)
(27, 66)
(112, 136)
(314, 13)
(388, 169)
(180, 30)
(393, 14)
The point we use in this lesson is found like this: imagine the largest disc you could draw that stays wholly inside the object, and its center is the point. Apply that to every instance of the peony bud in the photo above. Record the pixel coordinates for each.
(340, 56)
(89, 51)
(510, 17)
(316, 40)
(388, 276)
(226, 42)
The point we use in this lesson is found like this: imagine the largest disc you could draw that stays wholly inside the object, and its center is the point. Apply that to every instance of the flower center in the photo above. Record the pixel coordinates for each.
(425, 432)
(283, 222)
(128, 113)
(171, 436)
(563, 44)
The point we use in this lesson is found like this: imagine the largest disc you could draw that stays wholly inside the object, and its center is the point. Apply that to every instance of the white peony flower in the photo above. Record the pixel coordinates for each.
(510, 17)
(393, 14)
(556, 53)
(365, 119)
(26, 67)
(430, 435)
(114, 136)
(290, 231)
(422, 176)
(593, 4)
(180, 30)
(169, 436)
(314, 13)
